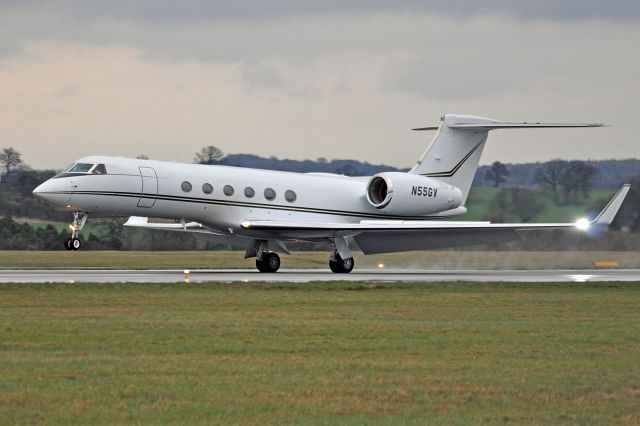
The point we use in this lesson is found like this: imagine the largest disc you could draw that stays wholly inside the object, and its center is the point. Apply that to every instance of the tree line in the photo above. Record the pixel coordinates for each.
(565, 182)
(572, 179)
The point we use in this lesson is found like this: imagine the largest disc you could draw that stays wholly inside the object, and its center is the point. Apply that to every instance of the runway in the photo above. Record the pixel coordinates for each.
(308, 275)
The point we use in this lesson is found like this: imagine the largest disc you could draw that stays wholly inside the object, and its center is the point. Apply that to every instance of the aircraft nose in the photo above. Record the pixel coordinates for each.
(47, 192)
(40, 189)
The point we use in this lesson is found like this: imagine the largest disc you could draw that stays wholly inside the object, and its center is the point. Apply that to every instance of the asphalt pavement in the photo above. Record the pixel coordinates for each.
(308, 275)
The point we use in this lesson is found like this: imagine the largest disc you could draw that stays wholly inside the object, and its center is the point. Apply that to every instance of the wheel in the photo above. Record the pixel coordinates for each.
(75, 244)
(273, 261)
(270, 263)
(347, 265)
(335, 266)
(67, 244)
(339, 265)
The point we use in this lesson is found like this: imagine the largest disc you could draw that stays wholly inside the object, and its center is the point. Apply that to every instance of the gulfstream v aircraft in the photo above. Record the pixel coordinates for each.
(263, 210)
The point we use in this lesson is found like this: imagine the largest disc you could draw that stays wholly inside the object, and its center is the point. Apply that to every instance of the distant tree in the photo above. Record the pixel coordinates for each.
(321, 160)
(142, 157)
(520, 204)
(577, 178)
(497, 173)
(347, 170)
(550, 173)
(526, 203)
(209, 155)
(10, 158)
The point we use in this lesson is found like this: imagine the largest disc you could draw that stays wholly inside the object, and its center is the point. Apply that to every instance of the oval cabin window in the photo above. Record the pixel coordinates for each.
(290, 196)
(270, 194)
(207, 188)
(228, 190)
(249, 192)
(186, 186)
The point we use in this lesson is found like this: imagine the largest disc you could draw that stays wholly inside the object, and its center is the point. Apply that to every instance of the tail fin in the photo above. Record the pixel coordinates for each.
(455, 151)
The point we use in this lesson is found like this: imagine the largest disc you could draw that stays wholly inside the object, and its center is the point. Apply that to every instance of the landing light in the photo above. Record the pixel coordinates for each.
(246, 225)
(582, 224)
(380, 265)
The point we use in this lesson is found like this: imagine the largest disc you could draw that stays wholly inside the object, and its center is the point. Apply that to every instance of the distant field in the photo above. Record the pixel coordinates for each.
(480, 199)
(235, 260)
(322, 353)
(97, 229)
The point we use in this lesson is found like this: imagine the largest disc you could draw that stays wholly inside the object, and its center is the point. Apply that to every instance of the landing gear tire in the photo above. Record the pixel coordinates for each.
(75, 244)
(270, 262)
(67, 244)
(339, 265)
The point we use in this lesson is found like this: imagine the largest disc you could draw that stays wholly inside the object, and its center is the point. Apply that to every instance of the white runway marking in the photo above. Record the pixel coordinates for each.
(307, 275)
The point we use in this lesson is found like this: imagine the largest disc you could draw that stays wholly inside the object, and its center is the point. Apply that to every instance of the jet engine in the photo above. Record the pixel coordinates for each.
(406, 194)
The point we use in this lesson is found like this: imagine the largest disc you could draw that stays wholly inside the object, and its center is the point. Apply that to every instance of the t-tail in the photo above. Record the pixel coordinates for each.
(455, 151)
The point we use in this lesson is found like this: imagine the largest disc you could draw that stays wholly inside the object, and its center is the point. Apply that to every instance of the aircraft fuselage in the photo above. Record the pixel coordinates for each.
(219, 197)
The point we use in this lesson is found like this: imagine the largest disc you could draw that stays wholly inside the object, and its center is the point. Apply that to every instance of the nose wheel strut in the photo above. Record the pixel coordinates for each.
(79, 219)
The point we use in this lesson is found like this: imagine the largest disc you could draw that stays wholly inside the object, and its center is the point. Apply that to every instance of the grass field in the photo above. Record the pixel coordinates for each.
(235, 259)
(320, 353)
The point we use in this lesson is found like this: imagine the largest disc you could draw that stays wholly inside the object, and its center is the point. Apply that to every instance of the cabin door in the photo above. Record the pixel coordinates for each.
(149, 191)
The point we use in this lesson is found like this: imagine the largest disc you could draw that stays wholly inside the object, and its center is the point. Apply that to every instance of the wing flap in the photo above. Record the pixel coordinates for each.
(143, 222)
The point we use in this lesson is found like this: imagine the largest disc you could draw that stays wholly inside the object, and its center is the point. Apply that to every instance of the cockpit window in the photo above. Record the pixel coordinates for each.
(100, 169)
(81, 168)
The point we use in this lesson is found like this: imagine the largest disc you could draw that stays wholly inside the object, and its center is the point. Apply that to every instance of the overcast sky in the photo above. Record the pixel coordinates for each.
(308, 79)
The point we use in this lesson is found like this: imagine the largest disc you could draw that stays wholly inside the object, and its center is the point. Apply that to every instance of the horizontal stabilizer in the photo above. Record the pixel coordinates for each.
(458, 122)
(525, 125)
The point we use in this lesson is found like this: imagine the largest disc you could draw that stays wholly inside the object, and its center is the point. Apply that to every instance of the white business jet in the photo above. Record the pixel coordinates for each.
(263, 210)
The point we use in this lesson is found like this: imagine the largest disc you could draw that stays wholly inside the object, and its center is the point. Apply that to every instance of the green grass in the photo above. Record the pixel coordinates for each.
(235, 260)
(480, 199)
(323, 353)
(97, 229)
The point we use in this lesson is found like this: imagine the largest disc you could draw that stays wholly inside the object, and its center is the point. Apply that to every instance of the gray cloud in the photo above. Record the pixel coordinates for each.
(142, 75)
(169, 10)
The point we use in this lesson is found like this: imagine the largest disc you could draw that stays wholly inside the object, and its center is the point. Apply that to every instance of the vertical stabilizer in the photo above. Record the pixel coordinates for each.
(454, 153)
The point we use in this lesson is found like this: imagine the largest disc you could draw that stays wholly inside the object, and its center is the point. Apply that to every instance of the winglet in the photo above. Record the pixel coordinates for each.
(607, 214)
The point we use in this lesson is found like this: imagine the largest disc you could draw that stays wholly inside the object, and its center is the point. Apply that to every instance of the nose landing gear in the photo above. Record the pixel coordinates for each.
(79, 219)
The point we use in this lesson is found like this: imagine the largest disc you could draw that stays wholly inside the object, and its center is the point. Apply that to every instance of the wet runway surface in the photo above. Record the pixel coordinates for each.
(307, 275)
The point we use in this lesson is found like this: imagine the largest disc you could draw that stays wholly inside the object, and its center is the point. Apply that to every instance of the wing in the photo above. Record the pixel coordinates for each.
(380, 236)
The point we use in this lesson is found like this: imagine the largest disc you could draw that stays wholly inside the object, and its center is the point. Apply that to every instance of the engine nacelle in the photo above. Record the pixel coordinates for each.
(406, 194)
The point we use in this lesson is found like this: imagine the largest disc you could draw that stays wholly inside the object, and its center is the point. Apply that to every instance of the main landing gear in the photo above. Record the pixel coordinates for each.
(339, 265)
(79, 219)
(270, 262)
(341, 260)
(266, 261)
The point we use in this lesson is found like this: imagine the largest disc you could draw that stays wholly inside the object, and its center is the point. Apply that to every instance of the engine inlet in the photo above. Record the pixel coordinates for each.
(378, 192)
